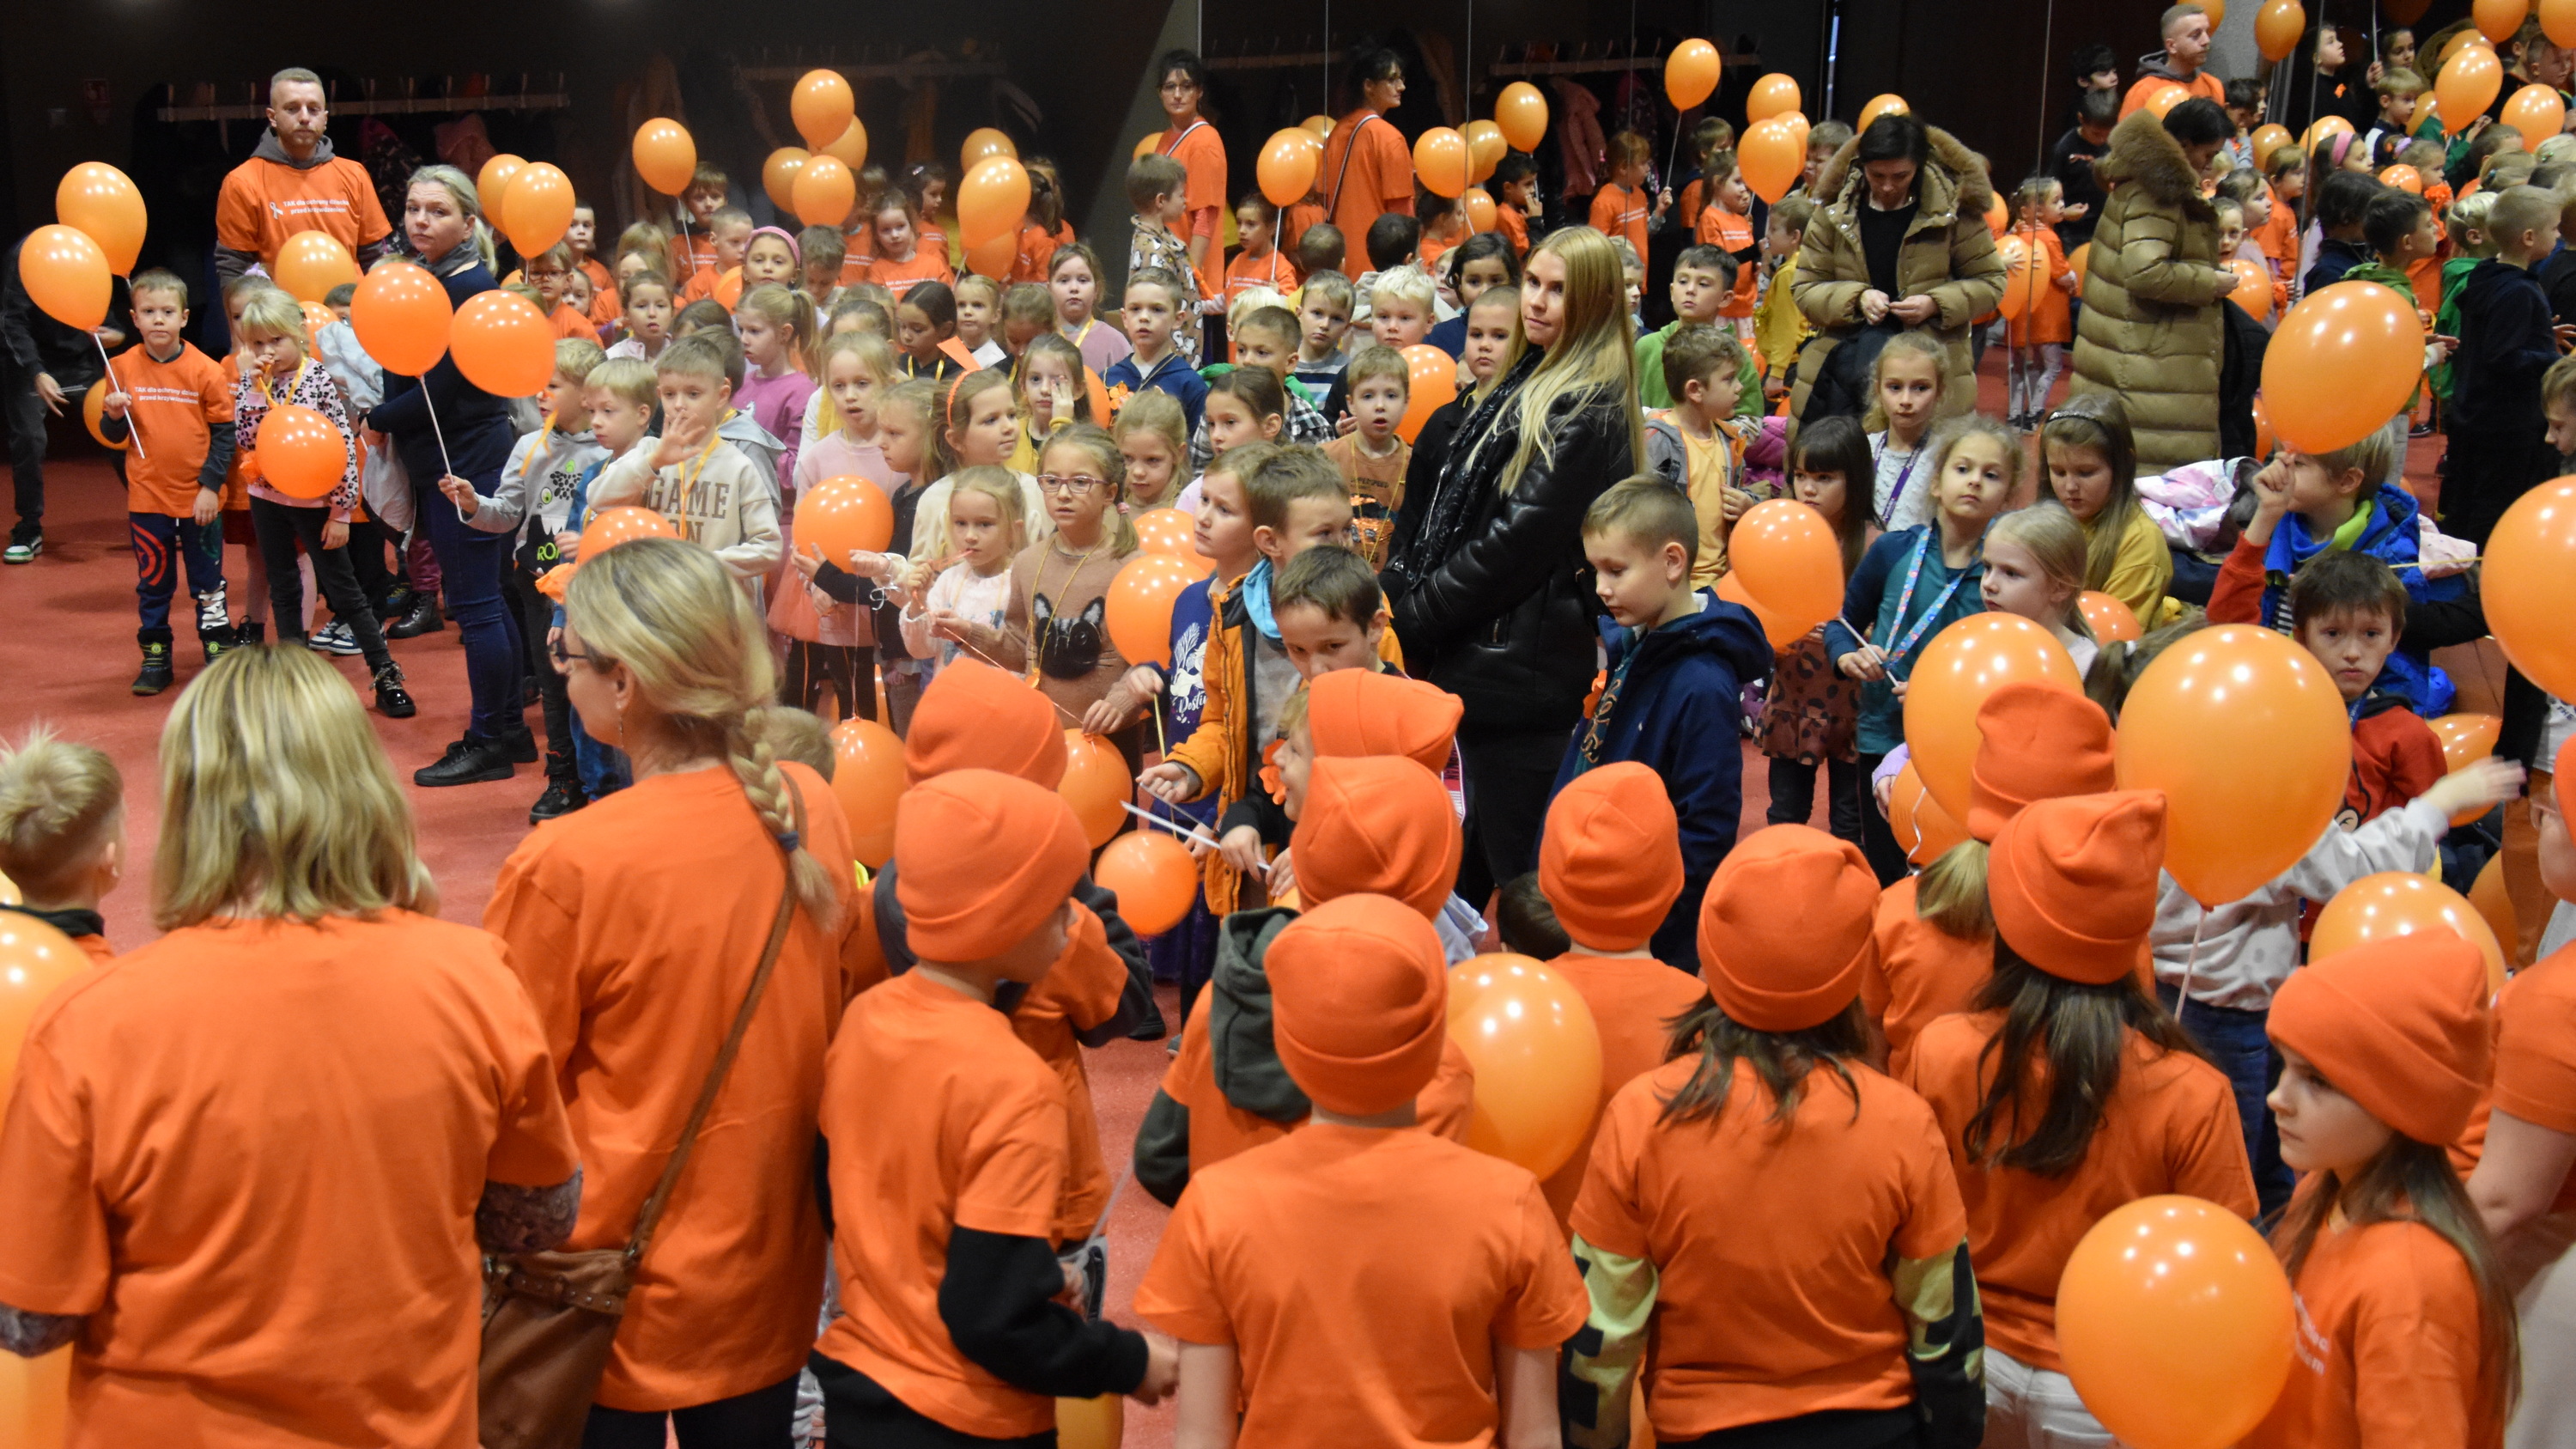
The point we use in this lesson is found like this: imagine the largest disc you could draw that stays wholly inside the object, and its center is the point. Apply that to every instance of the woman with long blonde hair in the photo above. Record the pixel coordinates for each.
(1490, 592)
(639, 925)
(253, 1167)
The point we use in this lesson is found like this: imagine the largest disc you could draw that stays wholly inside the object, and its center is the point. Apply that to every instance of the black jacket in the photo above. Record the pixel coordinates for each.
(2071, 162)
(37, 343)
(2505, 345)
(2240, 375)
(475, 424)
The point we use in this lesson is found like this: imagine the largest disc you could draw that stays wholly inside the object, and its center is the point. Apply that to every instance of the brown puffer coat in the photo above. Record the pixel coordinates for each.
(1948, 255)
(2151, 331)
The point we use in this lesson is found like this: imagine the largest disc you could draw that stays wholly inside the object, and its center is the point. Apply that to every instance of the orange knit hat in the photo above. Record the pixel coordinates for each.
(1368, 712)
(2072, 882)
(2399, 1025)
(1611, 860)
(1376, 823)
(2562, 784)
(981, 859)
(1359, 1002)
(2035, 742)
(1785, 929)
(976, 717)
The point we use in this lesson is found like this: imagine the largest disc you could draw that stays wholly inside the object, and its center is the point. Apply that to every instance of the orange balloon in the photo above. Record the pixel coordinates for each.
(34, 960)
(728, 288)
(311, 263)
(1469, 978)
(317, 317)
(1965, 662)
(1998, 215)
(1790, 560)
(1730, 587)
(1485, 148)
(2497, 20)
(1691, 73)
(2278, 26)
(2081, 259)
(985, 141)
(2558, 22)
(1139, 613)
(2111, 621)
(1480, 209)
(2452, 46)
(1146, 145)
(1174, 532)
(778, 176)
(867, 778)
(2022, 281)
(1099, 1423)
(842, 516)
(1774, 94)
(1798, 127)
(1771, 159)
(2164, 98)
(1882, 105)
(610, 527)
(35, 1394)
(994, 259)
(66, 276)
(1522, 113)
(2267, 139)
(1537, 1056)
(2174, 1319)
(665, 155)
(502, 344)
(2528, 581)
(1154, 877)
(2466, 739)
(1920, 824)
(2401, 903)
(1322, 126)
(2217, 11)
(537, 209)
(2344, 360)
(2238, 816)
(1440, 159)
(821, 106)
(2253, 288)
(1287, 166)
(851, 146)
(493, 181)
(2536, 111)
(824, 191)
(2428, 109)
(2403, 177)
(402, 316)
(300, 453)
(2470, 80)
(1095, 783)
(992, 200)
(2326, 126)
(2263, 439)
(1432, 381)
(94, 416)
(102, 201)
(2495, 905)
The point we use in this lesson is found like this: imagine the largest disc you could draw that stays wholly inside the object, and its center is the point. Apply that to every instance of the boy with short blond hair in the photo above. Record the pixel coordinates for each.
(1695, 445)
(728, 237)
(2506, 342)
(1323, 319)
(1371, 457)
(707, 488)
(693, 248)
(181, 402)
(1155, 301)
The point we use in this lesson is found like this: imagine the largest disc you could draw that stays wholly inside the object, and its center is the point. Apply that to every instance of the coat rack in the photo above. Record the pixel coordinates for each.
(369, 103)
(1583, 64)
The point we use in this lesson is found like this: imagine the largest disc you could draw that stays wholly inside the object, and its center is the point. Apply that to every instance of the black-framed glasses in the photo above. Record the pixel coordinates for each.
(564, 657)
(1067, 484)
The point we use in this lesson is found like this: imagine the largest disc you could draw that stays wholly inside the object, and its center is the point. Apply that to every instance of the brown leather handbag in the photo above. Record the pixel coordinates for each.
(550, 1319)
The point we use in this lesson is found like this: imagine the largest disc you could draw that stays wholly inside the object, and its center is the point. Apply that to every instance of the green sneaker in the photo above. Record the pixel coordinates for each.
(156, 675)
(23, 548)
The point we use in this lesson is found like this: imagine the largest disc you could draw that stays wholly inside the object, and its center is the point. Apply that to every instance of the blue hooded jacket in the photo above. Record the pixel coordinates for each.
(2391, 534)
(1676, 705)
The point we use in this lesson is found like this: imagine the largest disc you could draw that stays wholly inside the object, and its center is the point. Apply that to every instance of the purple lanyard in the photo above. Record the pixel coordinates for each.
(1896, 494)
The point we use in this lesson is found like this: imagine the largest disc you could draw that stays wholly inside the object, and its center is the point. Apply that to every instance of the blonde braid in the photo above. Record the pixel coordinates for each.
(765, 785)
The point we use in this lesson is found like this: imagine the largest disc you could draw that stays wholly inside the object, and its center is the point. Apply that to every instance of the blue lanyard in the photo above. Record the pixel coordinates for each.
(1913, 572)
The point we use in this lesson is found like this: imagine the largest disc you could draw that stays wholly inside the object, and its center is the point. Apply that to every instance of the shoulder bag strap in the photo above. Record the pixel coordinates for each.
(1333, 207)
(651, 1216)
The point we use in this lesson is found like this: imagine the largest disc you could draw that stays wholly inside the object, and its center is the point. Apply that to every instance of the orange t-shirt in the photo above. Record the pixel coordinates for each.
(251, 1153)
(1081, 990)
(1364, 1278)
(927, 265)
(1367, 172)
(1037, 249)
(2535, 1061)
(1618, 211)
(1772, 1242)
(604, 309)
(2388, 1347)
(1201, 153)
(1298, 217)
(1732, 233)
(2201, 84)
(2278, 237)
(173, 403)
(1687, 205)
(1633, 1002)
(569, 324)
(1247, 271)
(2170, 1126)
(265, 202)
(2048, 319)
(1515, 225)
(636, 926)
(691, 254)
(1220, 1130)
(938, 1119)
(1922, 972)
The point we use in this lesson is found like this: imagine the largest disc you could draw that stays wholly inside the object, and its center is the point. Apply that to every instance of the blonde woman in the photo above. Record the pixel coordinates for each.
(252, 1167)
(637, 925)
(1489, 589)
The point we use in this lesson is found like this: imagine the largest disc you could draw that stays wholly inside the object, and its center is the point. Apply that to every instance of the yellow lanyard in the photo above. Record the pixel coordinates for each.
(690, 470)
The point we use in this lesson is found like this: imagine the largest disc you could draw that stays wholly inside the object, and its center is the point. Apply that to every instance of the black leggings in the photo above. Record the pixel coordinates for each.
(761, 1419)
(858, 1413)
(536, 614)
(279, 528)
(846, 672)
(1877, 837)
(1793, 795)
(1509, 776)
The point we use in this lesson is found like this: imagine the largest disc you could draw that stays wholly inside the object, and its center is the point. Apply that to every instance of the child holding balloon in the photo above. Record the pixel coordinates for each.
(1057, 619)
(729, 236)
(1810, 710)
(180, 402)
(966, 605)
(902, 261)
(2041, 332)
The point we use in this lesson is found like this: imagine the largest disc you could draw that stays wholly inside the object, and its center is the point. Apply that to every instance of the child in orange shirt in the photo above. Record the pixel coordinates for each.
(1043, 228)
(177, 403)
(947, 1143)
(1371, 457)
(1610, 867)
(583, 237)
(550, 271)
(903, 257)
(1260, 263)
(1846, 1302)
(1353, 1231)
(1707, 138)
(1622, 207)
(2071, 1091)
(62, 835)
(2406, 1331)
(926, 184)
(1726, 223)
(729, 236)
(2042, 331)
(1515, 197)
(693, 247)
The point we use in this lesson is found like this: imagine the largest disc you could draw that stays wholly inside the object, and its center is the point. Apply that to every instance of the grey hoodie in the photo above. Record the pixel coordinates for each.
(1242, 1056)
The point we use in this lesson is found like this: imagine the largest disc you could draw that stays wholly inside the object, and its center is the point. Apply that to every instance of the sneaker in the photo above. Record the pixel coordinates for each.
(561, 798)
(157, 674)
(219, 642)
(214, 613)
(392, 700)
(423, 618)
(24, 545)
(333, 638)
(520, 745)
(469, 761)
(251, 631)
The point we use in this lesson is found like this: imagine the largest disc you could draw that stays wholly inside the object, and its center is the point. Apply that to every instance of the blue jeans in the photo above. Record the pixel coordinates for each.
(2238, 1044)
(602, 767)
(471, 561)
(163, 545)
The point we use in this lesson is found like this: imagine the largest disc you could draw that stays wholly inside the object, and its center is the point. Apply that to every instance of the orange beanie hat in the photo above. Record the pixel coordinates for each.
(981, 859)
(2399, 1025)
(2035, 742)
(2073, 882)
(976, 717)
(1611, 860)
(2562, 784)
(1367, 712)
(1785, 928)
(1376, 824)
(1359, 1001)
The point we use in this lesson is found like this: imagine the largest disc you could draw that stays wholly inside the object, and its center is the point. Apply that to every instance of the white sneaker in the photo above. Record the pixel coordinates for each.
(333, 638)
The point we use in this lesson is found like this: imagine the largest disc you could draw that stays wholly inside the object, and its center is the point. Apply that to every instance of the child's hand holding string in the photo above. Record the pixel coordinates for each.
(1241, 848)
(1171, 782)
(1143, 682)
(1109, 713)
(1865, 663)
(460, 493)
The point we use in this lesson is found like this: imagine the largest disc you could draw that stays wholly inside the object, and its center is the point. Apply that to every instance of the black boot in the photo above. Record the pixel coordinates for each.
(394, 604)
(469, 761)
(562, 797)
(423, 618)
(157, 674)
(520, 744)
(392, 700)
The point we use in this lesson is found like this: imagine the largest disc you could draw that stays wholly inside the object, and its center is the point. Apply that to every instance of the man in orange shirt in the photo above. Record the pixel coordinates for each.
(2186, 33)
(1355, 1283)
(1194, 143)
(293, 183)
(1368, 169)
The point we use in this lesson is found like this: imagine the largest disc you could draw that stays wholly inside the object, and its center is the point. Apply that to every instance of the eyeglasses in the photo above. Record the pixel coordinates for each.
(1069, 484)
(564, 657)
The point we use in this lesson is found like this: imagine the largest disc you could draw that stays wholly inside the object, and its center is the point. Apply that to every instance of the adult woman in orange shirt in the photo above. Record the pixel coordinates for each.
(637, 926)
(252, 1167)
(1367, 169)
